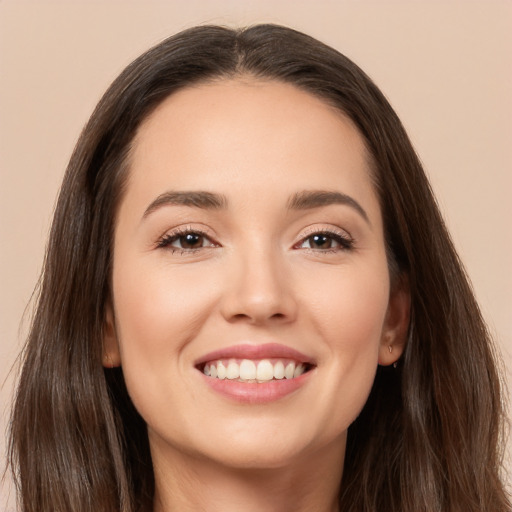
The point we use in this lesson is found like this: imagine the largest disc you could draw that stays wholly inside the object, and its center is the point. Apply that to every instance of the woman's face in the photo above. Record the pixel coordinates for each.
(249, 248)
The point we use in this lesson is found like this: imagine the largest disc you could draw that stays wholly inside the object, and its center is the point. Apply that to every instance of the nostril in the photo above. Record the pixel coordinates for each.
(258, 303)
(255, 317)
(240, 316)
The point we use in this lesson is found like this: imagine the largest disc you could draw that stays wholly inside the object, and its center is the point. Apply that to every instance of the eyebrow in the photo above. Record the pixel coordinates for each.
(305, 200)
(197, 199)
(309, 199)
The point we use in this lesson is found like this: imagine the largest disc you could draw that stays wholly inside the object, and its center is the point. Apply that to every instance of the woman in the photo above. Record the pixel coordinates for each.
(250, 301)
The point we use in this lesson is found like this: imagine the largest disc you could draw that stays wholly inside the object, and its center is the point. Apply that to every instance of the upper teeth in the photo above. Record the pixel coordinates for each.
(253, 371)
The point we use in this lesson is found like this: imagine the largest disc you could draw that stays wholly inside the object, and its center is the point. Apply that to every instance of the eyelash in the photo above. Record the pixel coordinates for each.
(346, 243)
(169, 238)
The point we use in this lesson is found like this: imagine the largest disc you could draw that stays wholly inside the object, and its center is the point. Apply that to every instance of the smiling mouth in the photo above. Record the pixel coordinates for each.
(254, 371)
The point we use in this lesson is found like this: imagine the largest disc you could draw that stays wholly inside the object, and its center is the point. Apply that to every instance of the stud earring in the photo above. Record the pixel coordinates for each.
(107, 361)
(390, 348)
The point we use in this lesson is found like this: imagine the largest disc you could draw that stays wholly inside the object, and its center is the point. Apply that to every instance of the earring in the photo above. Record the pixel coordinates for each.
(390, 348)
(107, 361)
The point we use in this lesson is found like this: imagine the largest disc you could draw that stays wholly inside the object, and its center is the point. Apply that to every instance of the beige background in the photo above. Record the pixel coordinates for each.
(445, 66)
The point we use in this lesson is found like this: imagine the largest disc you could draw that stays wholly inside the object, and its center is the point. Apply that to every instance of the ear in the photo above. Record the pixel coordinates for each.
(111, 354)
(396, 324)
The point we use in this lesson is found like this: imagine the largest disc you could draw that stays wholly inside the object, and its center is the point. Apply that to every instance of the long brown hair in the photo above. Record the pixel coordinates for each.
(430, 435)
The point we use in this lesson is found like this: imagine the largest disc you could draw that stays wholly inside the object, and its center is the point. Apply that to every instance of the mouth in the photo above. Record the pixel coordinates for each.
(255, 373)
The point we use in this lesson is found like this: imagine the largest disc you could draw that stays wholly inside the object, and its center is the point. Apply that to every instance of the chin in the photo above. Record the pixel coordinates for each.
(259, 458)
(260, 448)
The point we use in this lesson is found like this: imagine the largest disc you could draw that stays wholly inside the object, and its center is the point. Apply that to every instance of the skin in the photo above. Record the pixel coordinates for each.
(256, 277)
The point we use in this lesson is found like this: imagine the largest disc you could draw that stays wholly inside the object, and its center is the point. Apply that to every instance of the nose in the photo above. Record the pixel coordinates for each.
(259, 290)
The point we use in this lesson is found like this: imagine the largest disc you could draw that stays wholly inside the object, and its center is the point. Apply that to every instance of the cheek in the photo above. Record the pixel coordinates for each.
(154, 311)
(157, 313)
(153, 324)
(349, 316)
(350, 306)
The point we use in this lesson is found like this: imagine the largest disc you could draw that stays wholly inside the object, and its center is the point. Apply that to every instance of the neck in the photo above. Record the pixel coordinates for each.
(187, 483)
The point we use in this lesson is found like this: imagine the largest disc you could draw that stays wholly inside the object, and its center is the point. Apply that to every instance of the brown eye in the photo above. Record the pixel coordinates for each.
(321, 241)
(189, 241)
(185, 241)
(327, 241)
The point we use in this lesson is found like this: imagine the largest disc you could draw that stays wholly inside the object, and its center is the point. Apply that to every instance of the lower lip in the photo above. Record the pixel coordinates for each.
(254, 392)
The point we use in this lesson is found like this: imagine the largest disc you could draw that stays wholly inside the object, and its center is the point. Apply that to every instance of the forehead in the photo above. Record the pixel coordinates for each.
(242, 105)
(248, 134)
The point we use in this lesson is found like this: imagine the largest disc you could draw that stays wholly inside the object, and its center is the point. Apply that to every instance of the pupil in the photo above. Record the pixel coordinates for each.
(191, 240)
(320, 240)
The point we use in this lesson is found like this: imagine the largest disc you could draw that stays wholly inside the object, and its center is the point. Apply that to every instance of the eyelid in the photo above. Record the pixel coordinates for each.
(342, 235)
(165, 240)
(324, 228)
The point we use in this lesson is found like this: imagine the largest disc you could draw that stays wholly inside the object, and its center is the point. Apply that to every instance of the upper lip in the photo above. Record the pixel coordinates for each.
(250, 351)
